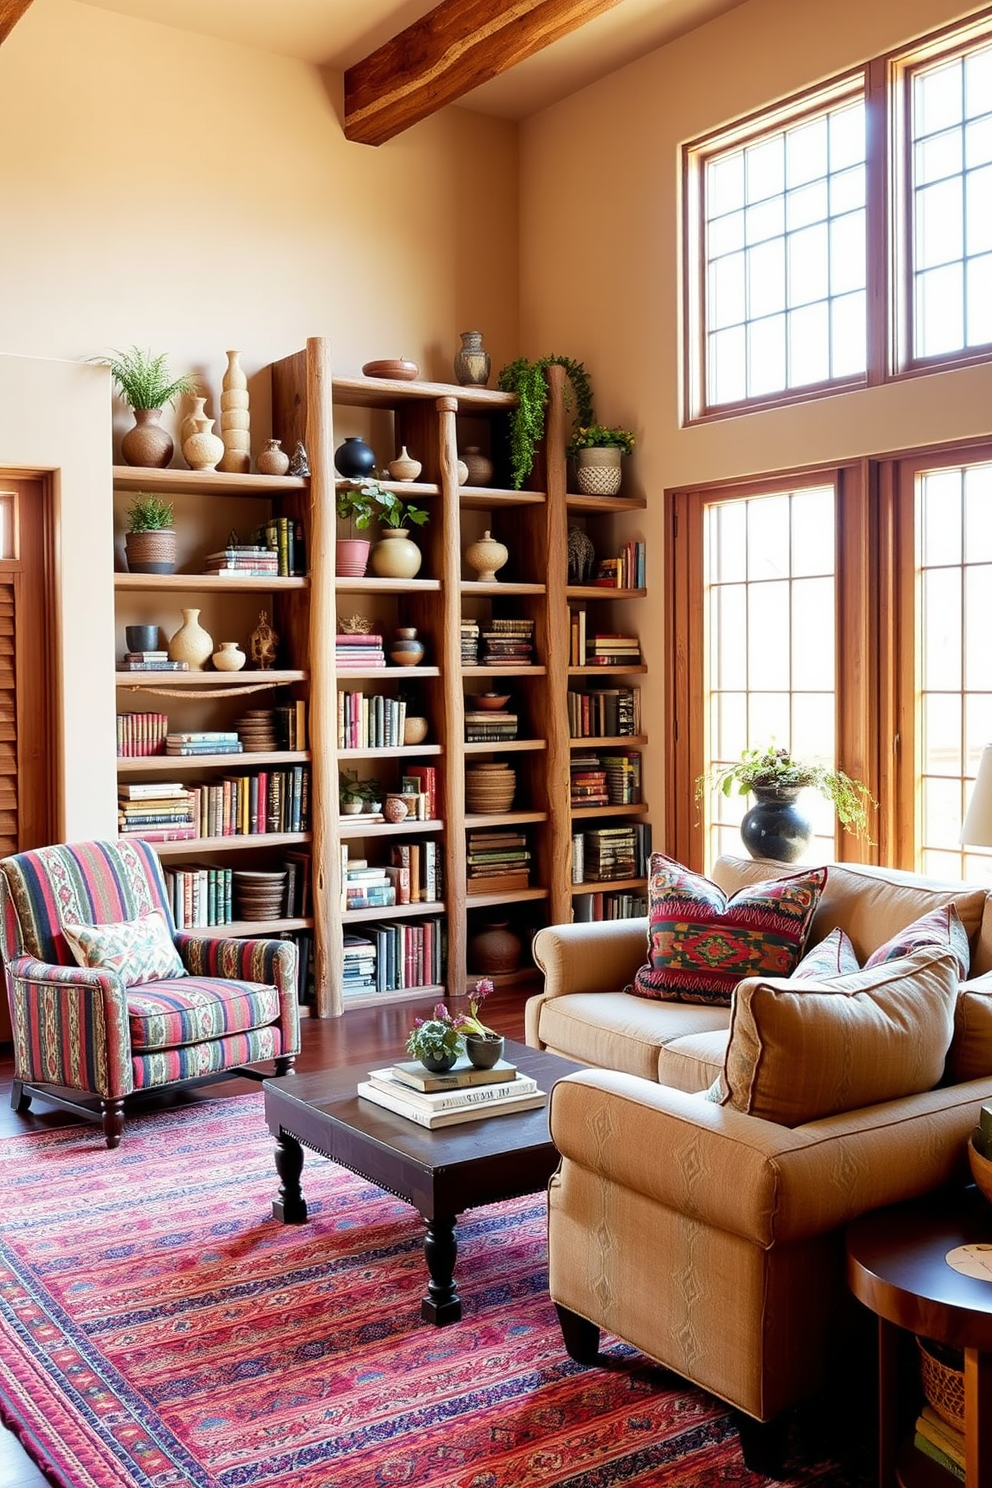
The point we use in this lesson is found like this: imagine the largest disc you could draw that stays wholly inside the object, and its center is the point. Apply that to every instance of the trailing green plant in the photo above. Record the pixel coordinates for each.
(436, 1037)
(365, 500)
(148, 514)
(143, 380)
(776, 769)
(527, 420)
(597, 436)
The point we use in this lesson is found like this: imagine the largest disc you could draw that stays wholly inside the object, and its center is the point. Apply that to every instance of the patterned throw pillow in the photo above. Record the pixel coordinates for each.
(834, 956)
(940, 928)
(138, 950)
(701, 944)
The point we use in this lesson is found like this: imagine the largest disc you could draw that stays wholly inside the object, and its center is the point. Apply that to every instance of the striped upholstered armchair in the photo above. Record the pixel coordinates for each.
(107, 998)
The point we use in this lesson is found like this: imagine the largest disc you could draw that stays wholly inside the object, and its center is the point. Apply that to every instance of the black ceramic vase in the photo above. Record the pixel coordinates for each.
(354, 459)
(483, 1053)
(775, 827)
(438, 1063)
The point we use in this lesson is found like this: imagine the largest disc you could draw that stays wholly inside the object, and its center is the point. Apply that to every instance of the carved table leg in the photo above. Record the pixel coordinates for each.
(290, 1206)
(113, 1121)
(442, 1303)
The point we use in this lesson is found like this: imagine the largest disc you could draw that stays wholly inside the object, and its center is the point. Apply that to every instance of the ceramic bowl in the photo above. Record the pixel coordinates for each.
(489, 702)
(397, 368)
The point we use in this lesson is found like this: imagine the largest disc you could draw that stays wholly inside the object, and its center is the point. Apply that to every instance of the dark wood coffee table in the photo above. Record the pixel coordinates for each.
(896, 1266)
(439, 1172)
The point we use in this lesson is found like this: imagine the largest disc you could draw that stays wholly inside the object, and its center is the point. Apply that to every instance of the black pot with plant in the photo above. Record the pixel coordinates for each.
(146, 385)
(150, 540)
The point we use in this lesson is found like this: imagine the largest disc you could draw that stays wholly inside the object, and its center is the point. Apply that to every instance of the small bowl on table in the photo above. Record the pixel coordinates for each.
(981, 1168)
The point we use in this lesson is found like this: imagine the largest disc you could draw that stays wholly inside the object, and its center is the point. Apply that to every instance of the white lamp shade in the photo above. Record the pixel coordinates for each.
(977, 829)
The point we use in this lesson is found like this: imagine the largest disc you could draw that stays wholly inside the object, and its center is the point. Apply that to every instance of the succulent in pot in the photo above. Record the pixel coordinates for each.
(436, 1041)
(150, 540)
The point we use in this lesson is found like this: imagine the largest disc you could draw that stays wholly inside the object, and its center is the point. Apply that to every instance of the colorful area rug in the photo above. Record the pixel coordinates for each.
(158, 1327)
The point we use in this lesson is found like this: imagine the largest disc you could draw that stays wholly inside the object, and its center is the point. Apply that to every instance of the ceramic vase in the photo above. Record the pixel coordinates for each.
(354, 459)
(461, 473)
(415, 729)
(775, 827)
(395, 556)
(351, 556)
(395, 809)
(202, 448)
(272, 459)
(147, 443)
(191, 422)
(494, 949)
(438, 1063)
(404, 467)
(230, 657)
(478, 465)
(235, 419)
(472, 361)
(483, 1053)
(191, 643)
(405, 649)
(486, 556)
(598, 470)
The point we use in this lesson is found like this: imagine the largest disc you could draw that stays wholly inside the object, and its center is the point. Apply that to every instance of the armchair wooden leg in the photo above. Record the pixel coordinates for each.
(284, 1064)
(581, 1337)
(20, 1101)
(113, 1121)
(763, 1444)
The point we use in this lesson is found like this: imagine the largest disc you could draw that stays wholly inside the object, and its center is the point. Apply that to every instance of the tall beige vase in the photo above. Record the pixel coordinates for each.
(191, 643)
(235, 420)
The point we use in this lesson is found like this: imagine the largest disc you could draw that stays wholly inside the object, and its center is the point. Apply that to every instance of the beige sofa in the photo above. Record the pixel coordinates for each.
(710, 1239)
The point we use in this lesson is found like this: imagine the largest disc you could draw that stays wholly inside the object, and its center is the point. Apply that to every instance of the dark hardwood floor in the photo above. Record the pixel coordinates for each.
(362, 1035)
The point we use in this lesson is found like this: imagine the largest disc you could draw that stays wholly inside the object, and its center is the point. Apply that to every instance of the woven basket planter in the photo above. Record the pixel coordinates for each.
(942, 1372)
(153, 551)
(598, 470)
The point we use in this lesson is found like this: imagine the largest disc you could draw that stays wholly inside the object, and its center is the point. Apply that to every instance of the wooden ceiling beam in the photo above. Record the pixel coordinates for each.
(455, 47)
(10, 13)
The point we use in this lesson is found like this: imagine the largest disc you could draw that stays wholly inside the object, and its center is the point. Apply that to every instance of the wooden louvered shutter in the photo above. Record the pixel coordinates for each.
(9, 839)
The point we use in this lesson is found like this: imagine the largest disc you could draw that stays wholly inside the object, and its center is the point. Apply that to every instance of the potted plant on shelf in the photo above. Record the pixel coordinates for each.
(597, 452)
(146, 386)
(357, 502)
(396, 555)
(356, 795)
(483, 1045)
(528, 381)
(775, 827)
(436, 1041)
(150, 540)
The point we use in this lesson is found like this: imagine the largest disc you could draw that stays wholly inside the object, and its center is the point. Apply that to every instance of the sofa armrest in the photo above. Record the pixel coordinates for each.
(753, 1178)
(271, 962)
(70, 1026)
(594, 956)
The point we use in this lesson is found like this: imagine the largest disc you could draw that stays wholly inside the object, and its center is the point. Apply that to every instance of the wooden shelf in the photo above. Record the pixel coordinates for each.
(506, 670)
(601, 504)
(385, 674)
(473, 587)
(242, 842)
(250, 929)
(610, 886)
(390, 751)
(351, 826)
(385, 392)
(165, 764)
(478, 819)
(504, 746)
(583, 813)
(603, 591)
(618, 668)
(400, 994)
(611, 741)
(511, 896)
(202, 583)
(232, 680)
(204, 482)
(388, 586)
(484, 498)
(392, 912)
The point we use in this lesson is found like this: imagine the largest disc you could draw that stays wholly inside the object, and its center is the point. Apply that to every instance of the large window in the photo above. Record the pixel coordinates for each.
(822, 253)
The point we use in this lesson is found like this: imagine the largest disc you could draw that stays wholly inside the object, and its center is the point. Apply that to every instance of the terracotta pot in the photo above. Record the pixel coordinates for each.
(351, 556)
(151, 552)
(147, 443)
(494, 949)
(394, 556)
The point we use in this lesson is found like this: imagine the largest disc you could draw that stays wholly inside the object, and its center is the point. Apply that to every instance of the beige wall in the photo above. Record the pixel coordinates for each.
(600, 258)
(184, 194)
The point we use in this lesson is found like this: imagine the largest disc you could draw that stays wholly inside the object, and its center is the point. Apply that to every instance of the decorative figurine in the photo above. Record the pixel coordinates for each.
(299, 464)
(263, 643)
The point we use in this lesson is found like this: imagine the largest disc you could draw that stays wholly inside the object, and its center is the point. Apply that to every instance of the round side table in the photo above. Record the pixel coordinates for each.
(896, 1266)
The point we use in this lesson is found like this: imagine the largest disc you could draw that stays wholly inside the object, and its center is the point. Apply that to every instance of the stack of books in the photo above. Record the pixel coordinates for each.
(623, 777)
(588, 780)
(614, 650)
(139, 734)
(939, 1441)
(498, 860)
(616, 852)
(151, 661)
(366, 887)
(159, 811)
(470, 643)
(508, 643)
(242, 560)
(490, 723)
(625, 571)
(604, 712)
(358, 651)
(462, 1094)
(358, 975)
(206, 741)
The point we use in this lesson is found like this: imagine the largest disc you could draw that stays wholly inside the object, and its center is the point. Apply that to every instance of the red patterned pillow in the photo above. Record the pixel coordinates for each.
(940, 928)
(701, 944)
(834, 956)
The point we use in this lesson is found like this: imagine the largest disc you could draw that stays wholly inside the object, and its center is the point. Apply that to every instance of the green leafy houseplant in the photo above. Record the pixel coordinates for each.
(774, 769)
(364, 501)
(597, 436)
(350, 788)
(437, 1040)
(144, 381)
(150, 540)
(528, 381)
(148, 514)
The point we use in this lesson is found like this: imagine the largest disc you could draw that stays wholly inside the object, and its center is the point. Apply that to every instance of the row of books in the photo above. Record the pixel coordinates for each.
(604, 712)
(394, 956)
(605, 649)
(286, 536)
(397, 1089)
(369, 721)
(358, 651)
(620, 904)
(498, 860)
(199, 897)
(147, 733)
(141, 734)
(413, 875)
(266, 801)
(612, 853)
(626, 571)
(605, 779)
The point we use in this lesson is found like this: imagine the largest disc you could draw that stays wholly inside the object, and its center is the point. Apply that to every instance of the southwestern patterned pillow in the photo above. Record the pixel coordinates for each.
(834, 956)
(940, 928)
(139, 950)
(701, 944)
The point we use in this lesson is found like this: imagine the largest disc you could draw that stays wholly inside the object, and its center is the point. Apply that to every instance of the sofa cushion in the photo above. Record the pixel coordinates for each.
(611, 1030)
(140, 950)
(970, 1054)
(701, 944)
(692, 1063)
(798, 1052)
(940, 927)
(192, 1010)
(834, 956)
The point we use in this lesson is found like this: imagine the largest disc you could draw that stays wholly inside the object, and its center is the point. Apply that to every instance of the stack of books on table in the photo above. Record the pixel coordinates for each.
(159, 811)
(462, 1093)
(358, 651)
